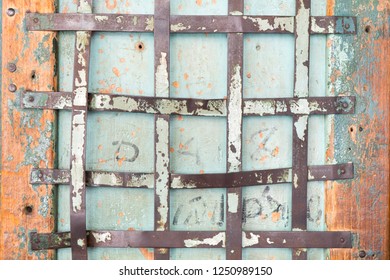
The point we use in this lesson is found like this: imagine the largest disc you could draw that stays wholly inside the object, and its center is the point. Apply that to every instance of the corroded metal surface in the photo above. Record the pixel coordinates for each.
(161, 122)
(78, 138)
(196, 239)
(194, 107)
(184, 181)
(237, 23)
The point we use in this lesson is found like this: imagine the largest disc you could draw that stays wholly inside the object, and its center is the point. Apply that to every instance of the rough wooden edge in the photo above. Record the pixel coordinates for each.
(27, 135)
(362, 205)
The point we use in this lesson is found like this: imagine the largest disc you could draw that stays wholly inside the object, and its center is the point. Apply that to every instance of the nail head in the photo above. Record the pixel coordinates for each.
(11, 67)
(12, 88)
(362, 254)
(11, 12)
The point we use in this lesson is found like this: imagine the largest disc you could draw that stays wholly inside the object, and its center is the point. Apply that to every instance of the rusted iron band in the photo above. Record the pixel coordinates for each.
(161, 122)
(184, 181)
(195, 239)
(186, 24)
(193, 107)
(78, 139)
(300, 123)
(234, 136)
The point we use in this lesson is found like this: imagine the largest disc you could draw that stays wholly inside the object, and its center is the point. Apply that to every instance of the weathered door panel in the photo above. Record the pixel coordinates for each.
(124, 63)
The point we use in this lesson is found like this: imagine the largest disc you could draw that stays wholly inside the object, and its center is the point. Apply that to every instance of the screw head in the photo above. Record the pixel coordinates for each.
(11, 12)
(11, 67)
(362, 254)
(12, 88)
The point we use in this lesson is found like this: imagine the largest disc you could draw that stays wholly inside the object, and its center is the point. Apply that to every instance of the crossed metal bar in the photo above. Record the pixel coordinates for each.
(162, 106)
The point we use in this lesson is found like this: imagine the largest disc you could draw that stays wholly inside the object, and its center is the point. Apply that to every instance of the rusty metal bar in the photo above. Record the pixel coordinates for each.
(78, 139)
(161, 122)
(192, 107)
(186, 24)
(300, 123)
(184, 181)
(234, 136)
(195, 239)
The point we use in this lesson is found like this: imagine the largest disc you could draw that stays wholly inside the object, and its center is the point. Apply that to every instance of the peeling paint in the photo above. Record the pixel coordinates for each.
(254, 239)
(179, 27)
(269, 241)
(149, 24)
(84, 7)
(101, 18)
(232, 202)
(162, 83)
(295, 183)
(282, 23)
(236, 13)
(213, 241)
(301, 127)
(101, 237)
(235, 120)
(81, 242)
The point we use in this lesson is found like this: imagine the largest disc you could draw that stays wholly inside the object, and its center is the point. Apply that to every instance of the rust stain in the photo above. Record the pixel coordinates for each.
(330, 7)
(176, 84)
(110, 5)
(199, 2)
(186, 76)
(275, 216)
(172, 150)
(116, 71)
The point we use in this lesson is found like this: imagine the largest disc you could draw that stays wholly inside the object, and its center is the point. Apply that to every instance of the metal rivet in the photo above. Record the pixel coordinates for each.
(362, 254)
(40, 174)
(11, 67)
(345, 105)
(342, 240)
(342, 171)
(11, 12)
(36, 20)
(31, 99)
(28, 209)
(12, 88)
(347, 26)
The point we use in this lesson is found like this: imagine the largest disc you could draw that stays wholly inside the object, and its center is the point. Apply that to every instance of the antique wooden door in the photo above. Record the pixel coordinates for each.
(195, 129)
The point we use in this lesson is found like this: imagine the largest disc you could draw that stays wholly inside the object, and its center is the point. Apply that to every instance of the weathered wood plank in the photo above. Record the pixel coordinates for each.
(27, 135)
(361, 205)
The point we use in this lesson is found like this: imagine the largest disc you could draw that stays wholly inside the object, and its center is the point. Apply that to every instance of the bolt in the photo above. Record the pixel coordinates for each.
(12, 88)
(362, 254)
(31, 99)
(11, 12)
(36, 20)
(11, 67)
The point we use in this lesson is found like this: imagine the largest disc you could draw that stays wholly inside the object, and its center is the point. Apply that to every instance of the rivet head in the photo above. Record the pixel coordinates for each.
(12, 88)
(342, 240)
(31, 98)
(347, 26)
(342, 171)
(36, 20)
(11, 12)
(362, 254)
(11, 67)
(345, 105)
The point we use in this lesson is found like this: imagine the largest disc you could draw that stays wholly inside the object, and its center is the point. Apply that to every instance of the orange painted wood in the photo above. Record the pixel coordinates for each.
(27, 135)
(362, 205)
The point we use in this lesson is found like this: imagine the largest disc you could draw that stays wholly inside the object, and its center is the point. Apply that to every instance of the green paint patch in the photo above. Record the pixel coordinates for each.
(42, 53)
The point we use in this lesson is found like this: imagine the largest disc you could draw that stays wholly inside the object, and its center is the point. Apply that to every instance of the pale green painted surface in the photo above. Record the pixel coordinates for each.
(198, 144)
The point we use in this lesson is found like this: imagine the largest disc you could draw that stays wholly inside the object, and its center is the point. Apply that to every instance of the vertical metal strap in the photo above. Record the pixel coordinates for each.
(300, 123)
(234, 137)
(161, 83)
(78, 139)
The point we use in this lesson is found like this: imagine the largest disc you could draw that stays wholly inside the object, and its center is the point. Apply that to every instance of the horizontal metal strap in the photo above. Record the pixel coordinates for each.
(193, 107)
(183, 181)
(194, 239)
(186, 23)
